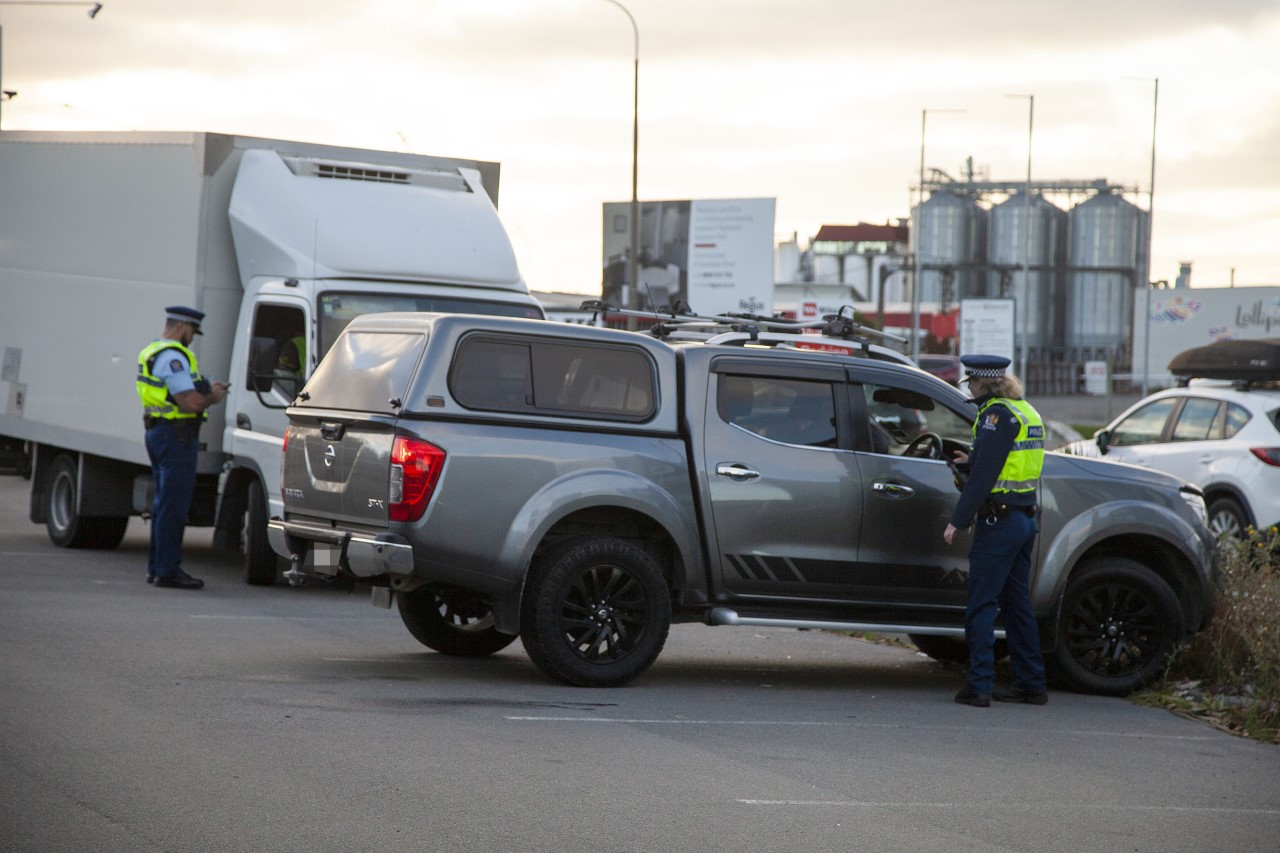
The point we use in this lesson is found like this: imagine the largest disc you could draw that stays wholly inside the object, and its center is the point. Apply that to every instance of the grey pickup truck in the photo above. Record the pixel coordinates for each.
(583, 488)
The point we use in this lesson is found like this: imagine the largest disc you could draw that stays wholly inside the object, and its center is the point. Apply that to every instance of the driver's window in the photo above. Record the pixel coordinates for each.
(285, 327)
(1144, 426)
(899, 416)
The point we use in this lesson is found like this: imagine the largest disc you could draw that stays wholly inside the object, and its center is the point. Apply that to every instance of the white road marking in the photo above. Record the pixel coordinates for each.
(1006, 805)
(975, 729)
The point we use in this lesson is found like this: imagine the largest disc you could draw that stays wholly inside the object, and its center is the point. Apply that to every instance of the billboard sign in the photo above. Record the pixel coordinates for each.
(986, 327)
(1183, 318)
(716, 255)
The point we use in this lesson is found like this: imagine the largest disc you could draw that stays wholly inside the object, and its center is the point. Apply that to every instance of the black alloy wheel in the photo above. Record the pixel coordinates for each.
(452, 621)
(596, 613)
(1119, 624)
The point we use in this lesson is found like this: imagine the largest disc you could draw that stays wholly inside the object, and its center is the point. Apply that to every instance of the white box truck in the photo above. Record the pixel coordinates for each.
(275, 241)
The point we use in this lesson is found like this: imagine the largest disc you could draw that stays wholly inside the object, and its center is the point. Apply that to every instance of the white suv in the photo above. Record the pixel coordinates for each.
(1222, 436)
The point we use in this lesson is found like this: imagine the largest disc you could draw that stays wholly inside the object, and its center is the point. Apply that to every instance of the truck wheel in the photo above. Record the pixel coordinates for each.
(596, 612)
(1227, 518)
(1119, 624)
(67, 528)
(452, 621)
(952, 649)
(261, 564)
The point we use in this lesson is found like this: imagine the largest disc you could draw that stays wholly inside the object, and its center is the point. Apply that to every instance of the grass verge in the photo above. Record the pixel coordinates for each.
(1229, 674)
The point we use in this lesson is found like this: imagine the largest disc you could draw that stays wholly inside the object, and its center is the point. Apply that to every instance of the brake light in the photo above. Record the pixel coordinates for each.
(284, 448)
(415, 468)
(1269, 455)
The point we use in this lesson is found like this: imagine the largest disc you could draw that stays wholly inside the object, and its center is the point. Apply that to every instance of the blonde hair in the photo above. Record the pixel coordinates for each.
(1008, 386)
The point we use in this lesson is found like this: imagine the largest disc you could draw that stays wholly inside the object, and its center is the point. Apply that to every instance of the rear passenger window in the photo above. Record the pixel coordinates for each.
(792, 411)
(554, 378)
(1237, 417)
(1198, 421)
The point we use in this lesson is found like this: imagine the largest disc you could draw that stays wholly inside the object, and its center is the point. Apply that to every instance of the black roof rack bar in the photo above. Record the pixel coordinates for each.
(670, 318)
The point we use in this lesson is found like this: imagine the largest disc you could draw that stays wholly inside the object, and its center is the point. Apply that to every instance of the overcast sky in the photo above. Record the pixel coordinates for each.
(816, 103)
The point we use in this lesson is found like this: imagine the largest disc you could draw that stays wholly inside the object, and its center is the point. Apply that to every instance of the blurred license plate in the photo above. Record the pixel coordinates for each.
(324, 558)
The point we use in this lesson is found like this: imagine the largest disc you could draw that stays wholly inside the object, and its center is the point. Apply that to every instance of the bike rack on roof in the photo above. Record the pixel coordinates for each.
(679, 323)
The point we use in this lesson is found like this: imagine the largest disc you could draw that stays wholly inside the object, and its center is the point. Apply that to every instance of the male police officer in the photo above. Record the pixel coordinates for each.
(1003, 467)
(174, 398)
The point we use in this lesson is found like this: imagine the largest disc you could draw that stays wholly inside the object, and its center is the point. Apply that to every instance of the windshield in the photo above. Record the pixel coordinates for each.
(337, 309)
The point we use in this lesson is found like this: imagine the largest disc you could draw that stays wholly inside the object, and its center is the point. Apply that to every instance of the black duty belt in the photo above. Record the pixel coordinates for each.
(992, 509)
(180, 425)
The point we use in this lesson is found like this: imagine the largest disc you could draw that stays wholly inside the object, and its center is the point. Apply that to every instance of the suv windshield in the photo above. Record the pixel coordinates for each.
(337, 309)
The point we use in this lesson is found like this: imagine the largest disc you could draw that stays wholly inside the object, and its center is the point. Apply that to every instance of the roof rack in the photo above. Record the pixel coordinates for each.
(679, 323)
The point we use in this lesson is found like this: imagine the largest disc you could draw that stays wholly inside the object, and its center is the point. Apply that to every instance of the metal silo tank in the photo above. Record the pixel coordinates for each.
(1005, 245)
(948, 230)
(1105, 232)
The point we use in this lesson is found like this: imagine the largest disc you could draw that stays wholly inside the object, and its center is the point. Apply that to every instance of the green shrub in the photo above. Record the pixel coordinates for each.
(1230, 672)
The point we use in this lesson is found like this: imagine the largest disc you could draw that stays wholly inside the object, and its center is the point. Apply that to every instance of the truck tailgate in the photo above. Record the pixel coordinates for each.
(339, 470)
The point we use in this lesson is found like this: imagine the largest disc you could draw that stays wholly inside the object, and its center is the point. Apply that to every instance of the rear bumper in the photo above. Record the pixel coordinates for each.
(316, 549)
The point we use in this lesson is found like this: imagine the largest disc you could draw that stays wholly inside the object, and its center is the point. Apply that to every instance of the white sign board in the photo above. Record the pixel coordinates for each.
(986, 327)
(714, 254)
(1095, 378)
(1184, 318)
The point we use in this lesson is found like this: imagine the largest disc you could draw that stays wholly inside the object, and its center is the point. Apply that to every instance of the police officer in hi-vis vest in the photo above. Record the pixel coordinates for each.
(174, 398)
(1000, 474)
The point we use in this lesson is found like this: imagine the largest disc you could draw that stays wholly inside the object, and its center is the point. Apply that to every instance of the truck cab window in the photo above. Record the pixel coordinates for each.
(285, 326)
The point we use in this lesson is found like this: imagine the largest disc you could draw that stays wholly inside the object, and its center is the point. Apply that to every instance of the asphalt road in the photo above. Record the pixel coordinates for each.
(246, 719)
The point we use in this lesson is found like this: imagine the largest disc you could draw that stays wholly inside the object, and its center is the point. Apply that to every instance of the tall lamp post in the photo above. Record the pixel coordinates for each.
(633, 261)
(1025, 309)
(1146, 267)
(94, 9)
(915, 258)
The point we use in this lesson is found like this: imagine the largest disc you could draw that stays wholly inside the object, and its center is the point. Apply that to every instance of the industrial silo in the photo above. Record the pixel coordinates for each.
(1007, 240)
(948, 230)
(1106, 235)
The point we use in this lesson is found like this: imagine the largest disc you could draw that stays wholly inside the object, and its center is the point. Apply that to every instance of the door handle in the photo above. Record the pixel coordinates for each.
(736, 471)
(893, 490)
(1207, 458)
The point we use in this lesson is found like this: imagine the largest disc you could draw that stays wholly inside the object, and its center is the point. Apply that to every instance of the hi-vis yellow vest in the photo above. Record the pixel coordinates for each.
(1022, 468)
(156, 401)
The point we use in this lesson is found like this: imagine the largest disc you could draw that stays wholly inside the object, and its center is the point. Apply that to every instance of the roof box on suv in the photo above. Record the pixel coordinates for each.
(1242, 361)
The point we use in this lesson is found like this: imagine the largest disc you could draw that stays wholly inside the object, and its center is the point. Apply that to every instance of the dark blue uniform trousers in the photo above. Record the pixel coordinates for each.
(173, 451)
(999, 575)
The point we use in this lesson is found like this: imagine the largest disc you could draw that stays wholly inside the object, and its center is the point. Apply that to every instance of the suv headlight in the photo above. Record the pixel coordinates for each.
(1195, 500)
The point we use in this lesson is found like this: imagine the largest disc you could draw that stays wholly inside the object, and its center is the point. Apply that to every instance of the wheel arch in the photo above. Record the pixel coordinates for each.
(1130, 532)
(616, 504)
(1218, 491)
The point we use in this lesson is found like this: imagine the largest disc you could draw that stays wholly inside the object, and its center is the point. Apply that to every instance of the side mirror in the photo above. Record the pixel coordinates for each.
(1102, 438)
(263, 353)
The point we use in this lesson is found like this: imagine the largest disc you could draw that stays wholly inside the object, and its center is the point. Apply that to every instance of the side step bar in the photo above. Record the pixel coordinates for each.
(728, 616)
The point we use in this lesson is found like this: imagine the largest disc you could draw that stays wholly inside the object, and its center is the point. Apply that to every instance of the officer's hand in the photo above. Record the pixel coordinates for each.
(219, 391)
(958, 457)
(949, 533)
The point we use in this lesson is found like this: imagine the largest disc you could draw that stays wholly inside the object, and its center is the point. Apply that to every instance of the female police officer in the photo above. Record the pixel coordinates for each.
(1003, 467)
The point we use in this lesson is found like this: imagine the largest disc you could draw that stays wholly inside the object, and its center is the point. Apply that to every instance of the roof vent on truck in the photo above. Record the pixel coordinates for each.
(440, 179)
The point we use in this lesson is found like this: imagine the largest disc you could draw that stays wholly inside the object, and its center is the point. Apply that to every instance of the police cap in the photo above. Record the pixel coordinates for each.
(984, 366)
(183, 314)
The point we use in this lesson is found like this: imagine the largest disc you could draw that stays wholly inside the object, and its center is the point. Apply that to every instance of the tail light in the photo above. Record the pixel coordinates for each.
(415, 468)
(1269, 455)
(284, 448)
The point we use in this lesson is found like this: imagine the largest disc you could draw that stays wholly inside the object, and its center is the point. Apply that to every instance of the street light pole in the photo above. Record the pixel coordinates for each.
(633, 261)
(915, 257)
(1151, 214)
(1024, 309)
(94, 9)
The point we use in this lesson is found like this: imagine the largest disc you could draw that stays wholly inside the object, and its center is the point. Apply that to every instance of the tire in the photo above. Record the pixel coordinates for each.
(596, 612)
(452, 621)
(952, 649)
(67, 528)
(261, 564)
(1119, 624)
(1227, 518)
